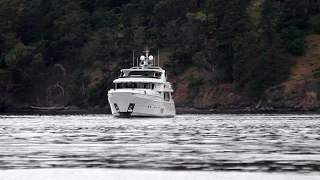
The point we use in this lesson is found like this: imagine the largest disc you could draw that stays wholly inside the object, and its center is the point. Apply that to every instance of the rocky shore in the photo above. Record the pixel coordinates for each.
(180, 110)
(285, 98)
(301, 97)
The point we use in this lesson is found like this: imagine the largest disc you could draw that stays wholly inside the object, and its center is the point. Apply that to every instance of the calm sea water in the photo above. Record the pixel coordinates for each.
(205, 143)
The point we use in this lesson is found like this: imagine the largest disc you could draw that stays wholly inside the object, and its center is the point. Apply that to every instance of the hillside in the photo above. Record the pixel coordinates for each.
(246, 55)
(301, 91)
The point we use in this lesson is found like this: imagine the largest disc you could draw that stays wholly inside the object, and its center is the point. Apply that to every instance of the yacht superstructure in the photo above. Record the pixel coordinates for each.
(142, 91)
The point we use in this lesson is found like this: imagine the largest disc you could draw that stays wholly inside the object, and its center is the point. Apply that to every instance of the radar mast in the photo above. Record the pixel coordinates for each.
(147, 60)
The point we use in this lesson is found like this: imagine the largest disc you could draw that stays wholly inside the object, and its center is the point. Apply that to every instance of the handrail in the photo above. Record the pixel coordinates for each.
(139, 77)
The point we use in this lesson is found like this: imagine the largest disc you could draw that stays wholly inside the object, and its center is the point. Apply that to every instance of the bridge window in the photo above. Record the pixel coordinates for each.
(134, 85)
(125, 85)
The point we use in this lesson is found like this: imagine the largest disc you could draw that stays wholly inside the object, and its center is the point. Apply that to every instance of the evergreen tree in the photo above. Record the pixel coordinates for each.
(217, 35)
(294, 17)
(272, 66)
(235, 23)
(35, 12)
(247, 49)
(12, 15)
(169, 10)
(70, 30)
(294, 13)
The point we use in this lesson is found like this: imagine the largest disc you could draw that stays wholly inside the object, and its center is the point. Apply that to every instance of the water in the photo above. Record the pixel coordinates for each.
(205, 143)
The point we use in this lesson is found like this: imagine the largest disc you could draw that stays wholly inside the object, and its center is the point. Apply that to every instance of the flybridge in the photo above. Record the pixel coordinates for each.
(151, 67)
(143, 73)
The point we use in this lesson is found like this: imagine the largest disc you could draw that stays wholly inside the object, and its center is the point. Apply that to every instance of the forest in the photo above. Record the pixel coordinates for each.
(67, 52)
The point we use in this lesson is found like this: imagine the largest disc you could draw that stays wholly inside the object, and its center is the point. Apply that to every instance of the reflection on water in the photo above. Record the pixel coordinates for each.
(187, 142)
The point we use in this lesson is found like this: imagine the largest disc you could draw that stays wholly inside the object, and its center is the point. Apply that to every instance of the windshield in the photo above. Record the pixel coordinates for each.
(134, 85)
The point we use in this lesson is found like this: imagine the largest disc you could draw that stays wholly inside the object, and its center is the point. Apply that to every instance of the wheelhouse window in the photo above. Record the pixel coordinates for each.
(125, 85)
(131, 85)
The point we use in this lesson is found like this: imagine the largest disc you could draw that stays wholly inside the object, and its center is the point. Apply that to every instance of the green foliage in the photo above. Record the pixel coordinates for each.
(98, 95)
(199, 16)
(70, 29)
(35, 11)
(219, 36)
(102, 18)
(208, 57)
(235, 23)
(3, 72)
(294, 13)
(170, 10)
(313, 6)
(194, 84)
(3, 79)
(20, 54)
(247, 49)
(272, 66)
(316, 75)
(27, 84)
(22, 57)
(293, 39)
(10, 40)
(316, 28)
(268, 22)
(2, 62)
(217, 9)
(293, 91)
(193, 88)
(102, 47)
(11, 15)
(84, 96)
(79, 93)
(179, 60)
(271, 69)
(23, 62)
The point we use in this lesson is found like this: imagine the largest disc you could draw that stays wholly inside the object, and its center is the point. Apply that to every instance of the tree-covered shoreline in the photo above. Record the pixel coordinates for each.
(67, 52)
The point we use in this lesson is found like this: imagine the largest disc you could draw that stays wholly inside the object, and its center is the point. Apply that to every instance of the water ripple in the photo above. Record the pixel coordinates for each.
(187, 142)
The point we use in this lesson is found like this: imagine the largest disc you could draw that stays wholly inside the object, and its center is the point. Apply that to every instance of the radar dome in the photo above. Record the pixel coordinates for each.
(151, 58)
(142, 58)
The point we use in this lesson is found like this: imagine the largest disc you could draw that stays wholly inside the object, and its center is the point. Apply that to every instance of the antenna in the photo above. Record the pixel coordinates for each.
(133, 58)
(158, 58)
(137, 61)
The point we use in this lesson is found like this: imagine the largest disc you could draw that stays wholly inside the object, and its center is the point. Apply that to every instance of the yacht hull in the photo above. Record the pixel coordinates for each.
(139, 104)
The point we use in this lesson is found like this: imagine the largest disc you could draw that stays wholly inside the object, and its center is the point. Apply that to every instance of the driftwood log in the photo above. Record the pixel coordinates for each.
(48, 108)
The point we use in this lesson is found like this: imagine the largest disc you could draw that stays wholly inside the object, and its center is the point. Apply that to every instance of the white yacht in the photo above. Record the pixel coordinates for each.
(142, 91)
